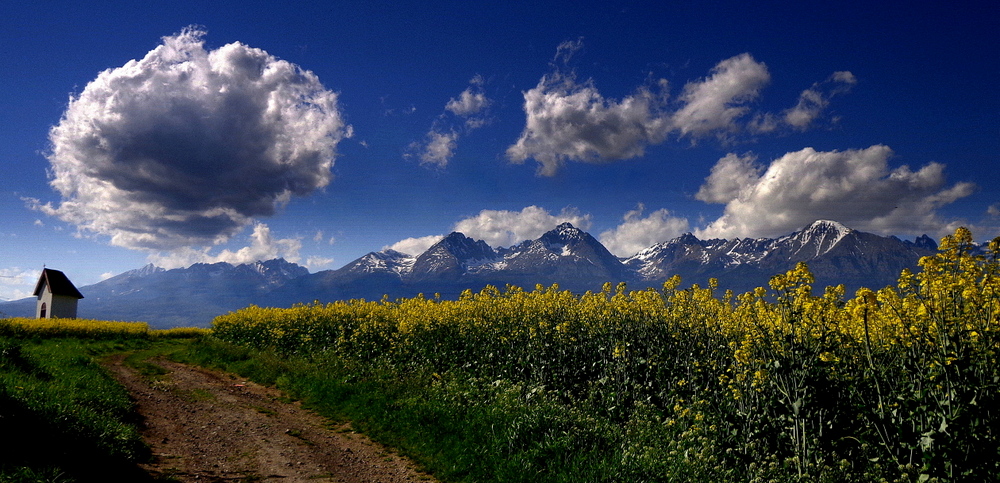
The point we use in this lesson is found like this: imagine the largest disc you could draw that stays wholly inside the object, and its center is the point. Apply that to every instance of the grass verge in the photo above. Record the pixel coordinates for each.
(458, 428)
(63, 418)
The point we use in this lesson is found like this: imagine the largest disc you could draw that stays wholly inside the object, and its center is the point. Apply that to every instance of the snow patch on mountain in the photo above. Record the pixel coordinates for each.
(387, 260)
(819, 238)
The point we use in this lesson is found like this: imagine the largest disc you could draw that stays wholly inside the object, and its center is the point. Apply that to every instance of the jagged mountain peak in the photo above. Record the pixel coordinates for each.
(148, 269)
(835, 253)
(826, 231)
(565, 234)
(455, 237)
(686, 239)
(276, 270)
(818, 238)
(385, 261)
(451, 257)
(827, 226)
(138, 273)
(673, 243)
(462, 247)
(567, 229)
(924, 241)
(277, 265)
(389, 253)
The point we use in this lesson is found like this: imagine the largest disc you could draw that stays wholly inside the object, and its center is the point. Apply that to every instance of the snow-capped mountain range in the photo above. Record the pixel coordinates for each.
(835, 253)
(577, 261)
(565, 255)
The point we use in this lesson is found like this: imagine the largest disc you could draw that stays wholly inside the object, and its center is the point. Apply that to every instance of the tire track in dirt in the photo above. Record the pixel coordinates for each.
(208, 426)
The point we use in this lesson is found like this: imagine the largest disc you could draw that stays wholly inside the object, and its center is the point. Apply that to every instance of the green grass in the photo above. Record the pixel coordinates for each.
(458, 428)
(68, 419)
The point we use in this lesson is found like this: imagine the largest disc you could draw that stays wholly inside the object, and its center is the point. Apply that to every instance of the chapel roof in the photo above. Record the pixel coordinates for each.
(57, 283)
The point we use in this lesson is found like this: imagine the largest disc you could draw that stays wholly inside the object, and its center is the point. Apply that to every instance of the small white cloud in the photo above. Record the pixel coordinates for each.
(764, 122)
(18, 275)
(566, 50)
(441, 142)
(814, 100)
(39, 223)
(414, 246)
(637, 233)
(320, 237)
(106, 275)
(263, 246)
(315, 263)
(713, 105)
(500, 228)
(993, 210)
(17, 283)
(471, 101)
(854, 187)
(438, 149)
(811, 103)
(844, 77)
(569, 121)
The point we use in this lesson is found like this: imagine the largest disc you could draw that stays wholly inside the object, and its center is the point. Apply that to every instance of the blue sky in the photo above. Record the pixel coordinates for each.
(229, 131)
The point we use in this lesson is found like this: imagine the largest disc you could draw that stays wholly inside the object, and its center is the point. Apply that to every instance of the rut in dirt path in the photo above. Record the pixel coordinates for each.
(208, 426)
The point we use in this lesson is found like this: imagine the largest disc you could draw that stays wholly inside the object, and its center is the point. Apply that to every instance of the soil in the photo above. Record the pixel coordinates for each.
(209, 426)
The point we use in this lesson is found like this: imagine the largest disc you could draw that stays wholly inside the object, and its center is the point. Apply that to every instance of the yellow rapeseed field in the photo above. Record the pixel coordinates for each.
(900, 375)
(89, 328)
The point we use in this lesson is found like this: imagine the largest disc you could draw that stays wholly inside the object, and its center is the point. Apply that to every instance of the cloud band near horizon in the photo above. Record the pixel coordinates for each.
(855, 187)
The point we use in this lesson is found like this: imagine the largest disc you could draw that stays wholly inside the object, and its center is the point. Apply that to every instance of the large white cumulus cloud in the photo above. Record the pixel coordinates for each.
(187, 146)
(855, 187)
(731, 176)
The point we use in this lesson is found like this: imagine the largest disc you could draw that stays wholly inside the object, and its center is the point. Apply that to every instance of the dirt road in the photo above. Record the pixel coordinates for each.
(208, 426)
